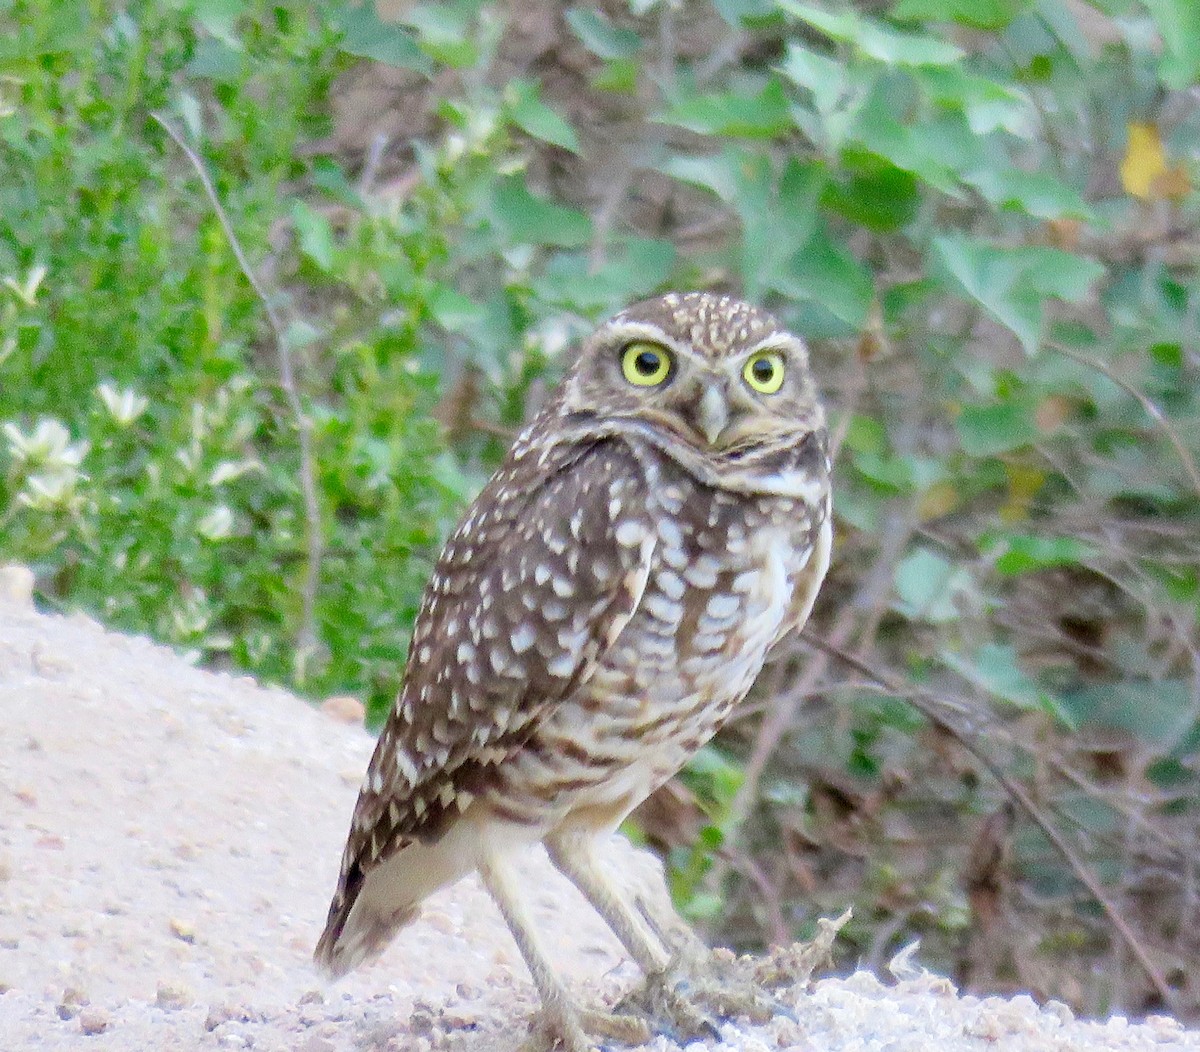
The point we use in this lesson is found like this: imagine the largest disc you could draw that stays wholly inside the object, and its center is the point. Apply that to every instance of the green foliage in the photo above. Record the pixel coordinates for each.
(980, 214)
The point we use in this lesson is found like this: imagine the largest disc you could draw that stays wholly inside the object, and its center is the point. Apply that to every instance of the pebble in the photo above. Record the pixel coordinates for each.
(71, 1002)
(173, 996)
(94, 1020)
(344, 708)
(16, 586)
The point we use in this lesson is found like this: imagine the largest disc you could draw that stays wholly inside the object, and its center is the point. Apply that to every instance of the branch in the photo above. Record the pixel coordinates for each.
(1146, 403)
(935, 709)
(307, 636)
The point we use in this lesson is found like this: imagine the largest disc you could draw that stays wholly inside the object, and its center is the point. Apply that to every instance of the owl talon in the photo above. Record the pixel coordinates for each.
(697, 992)
(566, 1028)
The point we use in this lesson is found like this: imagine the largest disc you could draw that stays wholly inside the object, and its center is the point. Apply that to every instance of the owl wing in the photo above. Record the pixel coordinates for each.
(538, 580)
(810, 460)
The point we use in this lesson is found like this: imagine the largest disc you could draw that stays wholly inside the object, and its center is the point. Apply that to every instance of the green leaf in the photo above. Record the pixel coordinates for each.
(927, 585)
(453, 311)
(875, 194)
(746, 12)
(1038, 194)
(1012, 283)
(874, 39)
(220, 18)
(762, 116)
(865, 434)
(1179, 23)
(995, 668)
(618, 75)
(443, 32)
(827, 273)
(716, 172)
(1023, 553)
(530, 220)
(366, 35)
(938, 151)
(988, 430)
(316, 235)
(535, 118)
(1159, 714)
(633, 270)
(215, 60)
(778, 216)
(823, 77)
(600, 36)
(980, 14)
(987, 104)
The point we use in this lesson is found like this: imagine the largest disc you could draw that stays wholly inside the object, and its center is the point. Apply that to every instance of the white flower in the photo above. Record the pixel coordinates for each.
(124, 406)
(217, 524)
(48, 446)
(192, 616)
(51, 491)
(228, 470)
(26, 291)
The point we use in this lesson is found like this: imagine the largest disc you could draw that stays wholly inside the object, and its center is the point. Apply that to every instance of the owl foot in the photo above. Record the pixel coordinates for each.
(569, 1029)
(700, 990)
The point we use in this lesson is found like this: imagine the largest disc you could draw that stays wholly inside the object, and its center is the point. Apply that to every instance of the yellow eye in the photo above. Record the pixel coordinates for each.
(764, 371)
(645, 364)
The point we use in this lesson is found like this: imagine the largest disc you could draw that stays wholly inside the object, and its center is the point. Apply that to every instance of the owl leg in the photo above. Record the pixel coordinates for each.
(689, 987)
(574, 855)
(562, 1023)
(666, 999)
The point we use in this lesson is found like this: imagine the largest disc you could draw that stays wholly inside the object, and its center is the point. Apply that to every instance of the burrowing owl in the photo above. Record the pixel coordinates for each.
(608, 598)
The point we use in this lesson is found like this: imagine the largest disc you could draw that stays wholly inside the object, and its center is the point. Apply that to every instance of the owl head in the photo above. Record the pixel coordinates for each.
(706, 374)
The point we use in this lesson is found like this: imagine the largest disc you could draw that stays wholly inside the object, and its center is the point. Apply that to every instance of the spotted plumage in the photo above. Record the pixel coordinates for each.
(608, 598)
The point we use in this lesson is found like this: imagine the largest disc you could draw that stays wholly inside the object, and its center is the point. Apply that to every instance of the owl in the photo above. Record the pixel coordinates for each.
(605, 602)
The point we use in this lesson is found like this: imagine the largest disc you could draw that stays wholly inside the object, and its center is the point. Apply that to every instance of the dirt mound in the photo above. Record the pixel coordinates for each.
(168, 842)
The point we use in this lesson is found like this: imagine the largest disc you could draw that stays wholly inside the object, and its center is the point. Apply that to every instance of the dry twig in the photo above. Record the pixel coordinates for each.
(936, 709)
(1151, 409)
(307, 635)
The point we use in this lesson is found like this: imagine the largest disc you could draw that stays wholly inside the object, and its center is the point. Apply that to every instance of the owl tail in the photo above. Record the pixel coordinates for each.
(370, 906)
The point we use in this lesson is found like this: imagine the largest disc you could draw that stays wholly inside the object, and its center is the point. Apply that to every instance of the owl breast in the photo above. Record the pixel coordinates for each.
(721, 591)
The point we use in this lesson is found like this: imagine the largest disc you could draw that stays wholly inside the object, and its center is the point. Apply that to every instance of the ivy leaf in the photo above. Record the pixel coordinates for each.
(1023, 553)
(366, 35)
(927, 585)
(1179, 23)
(874, 39)
(980, 14)
(600, 36)
(989, 430)
(825, 272)
(220, 18)
(1012, 283)
(530, 220)
(753, 117)
(1037, 194)
(316, 235)
(535, 118)
(1159, 713)
(995, 668)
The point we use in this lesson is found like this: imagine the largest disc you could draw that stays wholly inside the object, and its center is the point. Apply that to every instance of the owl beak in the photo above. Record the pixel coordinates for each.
(712, 413)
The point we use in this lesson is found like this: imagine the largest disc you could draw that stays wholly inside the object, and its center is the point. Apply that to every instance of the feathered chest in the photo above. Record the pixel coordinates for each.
(723, 586)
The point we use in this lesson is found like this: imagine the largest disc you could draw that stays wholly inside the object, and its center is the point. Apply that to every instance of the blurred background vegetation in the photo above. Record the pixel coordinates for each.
(980, 213)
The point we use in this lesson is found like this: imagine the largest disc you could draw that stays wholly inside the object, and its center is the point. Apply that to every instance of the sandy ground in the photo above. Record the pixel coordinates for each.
(168, 842)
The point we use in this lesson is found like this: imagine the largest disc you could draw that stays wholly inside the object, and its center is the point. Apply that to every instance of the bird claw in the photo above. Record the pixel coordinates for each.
(566, 1028)
(697, 992)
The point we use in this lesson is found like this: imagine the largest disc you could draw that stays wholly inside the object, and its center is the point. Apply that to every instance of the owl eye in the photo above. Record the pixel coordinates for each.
(645, 364)
(764, 371)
